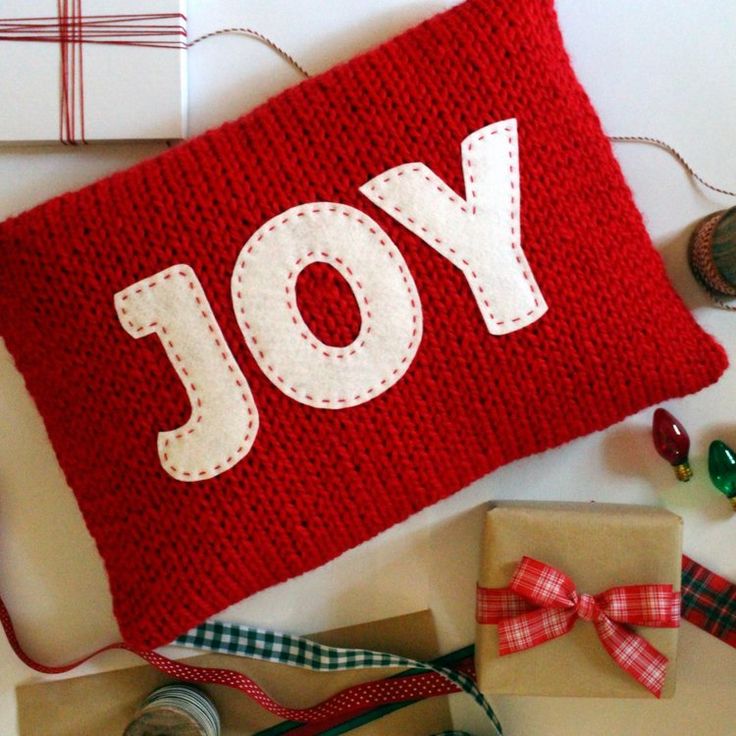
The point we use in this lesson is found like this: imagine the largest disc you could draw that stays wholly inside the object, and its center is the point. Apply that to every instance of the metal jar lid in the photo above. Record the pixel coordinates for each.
(176, 710)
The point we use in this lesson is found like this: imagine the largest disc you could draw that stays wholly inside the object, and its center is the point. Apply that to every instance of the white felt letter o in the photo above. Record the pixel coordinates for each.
(288, 352)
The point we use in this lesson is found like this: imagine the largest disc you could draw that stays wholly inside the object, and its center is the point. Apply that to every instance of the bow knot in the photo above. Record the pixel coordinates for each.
(586, 607)
(542, 603)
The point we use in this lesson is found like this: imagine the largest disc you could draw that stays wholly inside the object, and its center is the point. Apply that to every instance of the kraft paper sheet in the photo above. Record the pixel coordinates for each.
(103, 704)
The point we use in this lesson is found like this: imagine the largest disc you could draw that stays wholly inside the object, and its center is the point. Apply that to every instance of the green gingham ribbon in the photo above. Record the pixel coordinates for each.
(296, 651)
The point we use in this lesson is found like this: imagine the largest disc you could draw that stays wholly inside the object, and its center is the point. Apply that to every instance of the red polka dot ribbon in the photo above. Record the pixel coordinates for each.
(430, 680)
(294, 651)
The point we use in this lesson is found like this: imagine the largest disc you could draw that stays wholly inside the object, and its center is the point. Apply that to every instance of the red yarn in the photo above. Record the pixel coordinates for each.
(317, 482)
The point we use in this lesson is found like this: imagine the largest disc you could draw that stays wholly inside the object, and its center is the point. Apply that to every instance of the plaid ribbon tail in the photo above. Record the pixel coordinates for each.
(633, 654)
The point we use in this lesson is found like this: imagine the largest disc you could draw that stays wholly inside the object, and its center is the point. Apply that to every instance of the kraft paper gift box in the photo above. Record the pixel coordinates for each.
(598, 546)
(115, 90)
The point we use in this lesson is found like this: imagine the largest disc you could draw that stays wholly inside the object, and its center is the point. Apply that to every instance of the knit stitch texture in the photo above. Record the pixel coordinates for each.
(317, 482)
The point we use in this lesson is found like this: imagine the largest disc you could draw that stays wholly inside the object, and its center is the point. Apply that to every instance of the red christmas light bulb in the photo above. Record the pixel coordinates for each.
(672, 443)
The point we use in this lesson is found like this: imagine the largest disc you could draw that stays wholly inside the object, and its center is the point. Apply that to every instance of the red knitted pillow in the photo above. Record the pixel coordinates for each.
(278, 339)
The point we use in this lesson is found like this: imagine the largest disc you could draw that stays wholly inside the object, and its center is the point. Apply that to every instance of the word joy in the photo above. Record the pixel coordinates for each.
(478, 234)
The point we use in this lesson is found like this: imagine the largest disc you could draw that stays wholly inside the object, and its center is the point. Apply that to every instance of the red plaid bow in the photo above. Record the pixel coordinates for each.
(542, 603)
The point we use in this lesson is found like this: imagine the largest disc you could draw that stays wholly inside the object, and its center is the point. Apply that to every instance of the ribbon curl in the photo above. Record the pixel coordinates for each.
(542, 603)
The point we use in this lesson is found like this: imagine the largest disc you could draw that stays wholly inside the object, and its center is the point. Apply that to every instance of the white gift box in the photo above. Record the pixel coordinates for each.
(114, 91)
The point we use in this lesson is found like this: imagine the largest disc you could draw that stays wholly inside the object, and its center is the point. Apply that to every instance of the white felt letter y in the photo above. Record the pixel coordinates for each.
(479, 234)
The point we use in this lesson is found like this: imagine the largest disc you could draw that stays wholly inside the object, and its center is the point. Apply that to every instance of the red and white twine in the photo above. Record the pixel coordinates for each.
(71, 30)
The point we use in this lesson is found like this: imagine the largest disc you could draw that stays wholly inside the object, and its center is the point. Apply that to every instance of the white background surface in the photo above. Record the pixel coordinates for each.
(663, 68)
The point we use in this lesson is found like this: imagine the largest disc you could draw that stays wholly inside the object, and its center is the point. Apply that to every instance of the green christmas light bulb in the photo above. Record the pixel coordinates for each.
(722, 469)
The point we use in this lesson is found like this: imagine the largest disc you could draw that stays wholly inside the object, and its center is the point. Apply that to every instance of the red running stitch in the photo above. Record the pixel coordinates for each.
(247, 328)
(292, 307)
(472, 196)
(179, 365)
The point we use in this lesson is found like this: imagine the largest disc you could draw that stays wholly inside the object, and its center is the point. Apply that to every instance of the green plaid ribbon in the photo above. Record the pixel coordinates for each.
(708, 600)
(296, 651)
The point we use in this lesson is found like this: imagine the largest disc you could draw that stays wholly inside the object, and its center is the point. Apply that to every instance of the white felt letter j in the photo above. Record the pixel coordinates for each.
(224, 421)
